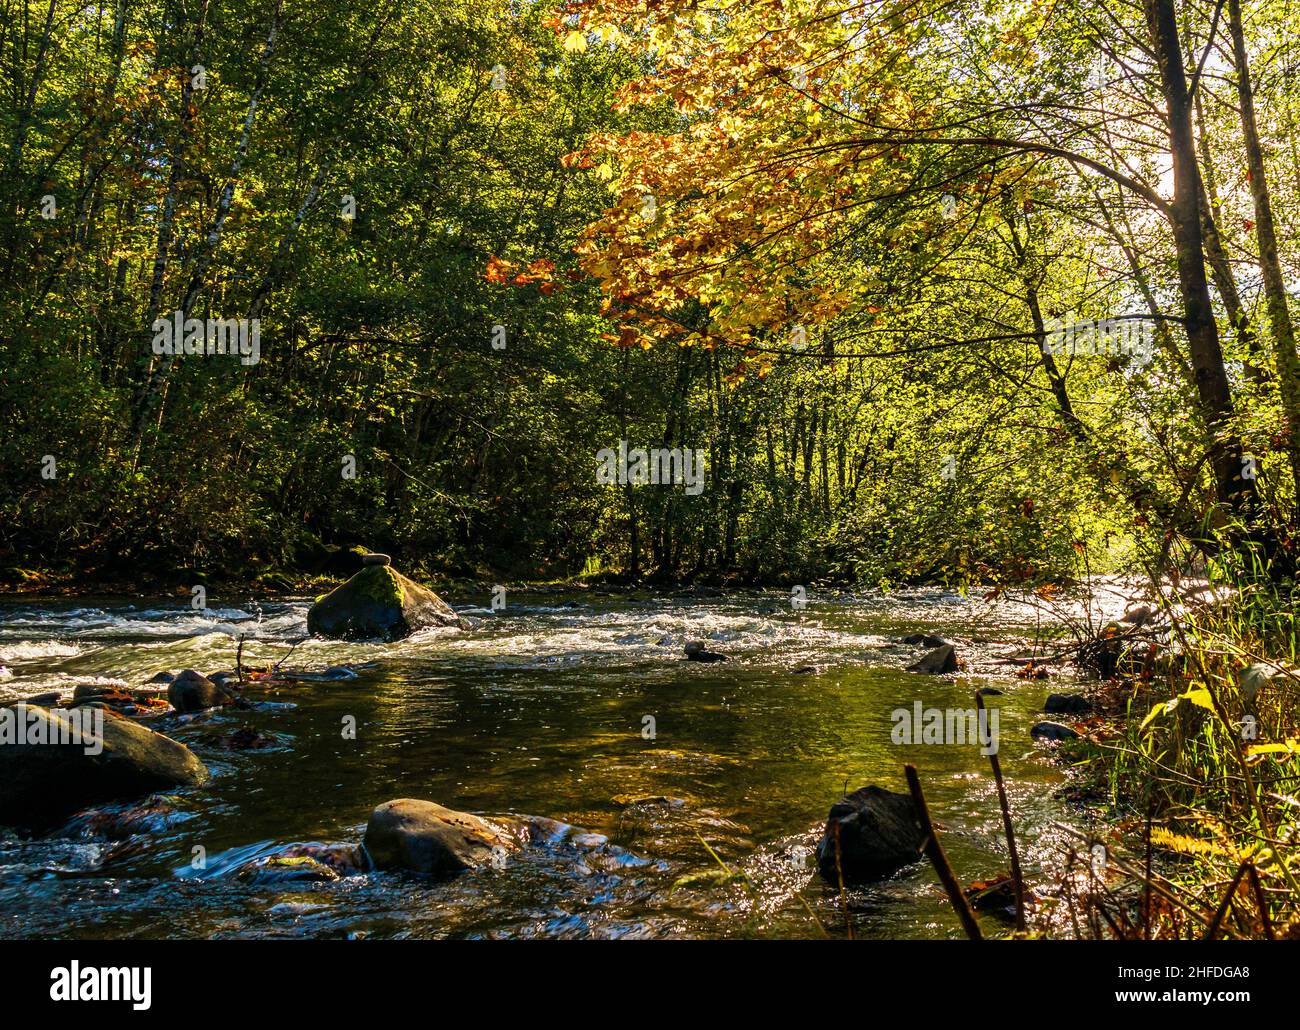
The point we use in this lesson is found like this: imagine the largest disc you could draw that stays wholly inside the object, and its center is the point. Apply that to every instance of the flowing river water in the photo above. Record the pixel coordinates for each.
(540, 710)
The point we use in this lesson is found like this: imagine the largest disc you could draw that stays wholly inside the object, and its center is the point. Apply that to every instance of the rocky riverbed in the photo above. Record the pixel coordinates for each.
(624, 788)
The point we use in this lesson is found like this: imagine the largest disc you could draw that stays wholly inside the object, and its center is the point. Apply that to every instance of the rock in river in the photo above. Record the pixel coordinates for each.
(941, 660)
(1048, 730)
(879, 833)
(1068, 704)
(378, 602)
(695, 652)
(423, 837)
(193, 692)
(53, 763)
(285, 870)
(925, 640)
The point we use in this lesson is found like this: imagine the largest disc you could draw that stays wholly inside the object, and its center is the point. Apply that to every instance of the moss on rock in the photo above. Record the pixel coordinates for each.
(378, 603)
(379, 583)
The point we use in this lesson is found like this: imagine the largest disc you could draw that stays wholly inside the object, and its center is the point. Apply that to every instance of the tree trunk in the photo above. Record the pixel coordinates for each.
(1279, 314)
(1237, 495)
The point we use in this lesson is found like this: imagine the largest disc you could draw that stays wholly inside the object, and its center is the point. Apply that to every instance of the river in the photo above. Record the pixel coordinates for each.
(541, 710)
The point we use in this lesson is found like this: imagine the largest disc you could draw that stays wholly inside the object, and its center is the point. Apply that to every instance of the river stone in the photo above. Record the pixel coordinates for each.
(284, 871)
(1048, 730)
(376, 559)
(378, 602)
(925, 640)
(43, 783)
(1067, 704)
(941, 660)
(696, 652)
(879, 831)
(423, 837)
(90, 692)
(193, 692)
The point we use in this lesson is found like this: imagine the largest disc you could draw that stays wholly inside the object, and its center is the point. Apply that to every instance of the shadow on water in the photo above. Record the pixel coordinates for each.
(544, 712)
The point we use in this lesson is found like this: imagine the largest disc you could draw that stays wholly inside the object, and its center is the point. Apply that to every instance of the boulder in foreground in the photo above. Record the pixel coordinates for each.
(43, 780)
(879, 833)
(378, 603)
(423, 837)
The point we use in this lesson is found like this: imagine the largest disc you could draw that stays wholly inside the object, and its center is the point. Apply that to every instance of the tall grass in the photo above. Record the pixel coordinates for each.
(1205, 764)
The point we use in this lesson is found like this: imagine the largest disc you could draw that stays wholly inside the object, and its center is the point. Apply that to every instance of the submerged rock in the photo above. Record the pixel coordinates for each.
(120, 820)
(83, 692)
(1068, 704)
(125, 702)
(378, 602)
(424, 837)
(246, 738)
(695, 652)
(193, 692)
(42, 782)
(941, 660)
(879, 833)
(1048, 730)
(284, 870)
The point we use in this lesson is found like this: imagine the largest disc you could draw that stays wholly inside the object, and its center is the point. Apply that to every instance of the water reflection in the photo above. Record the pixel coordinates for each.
(538, 712)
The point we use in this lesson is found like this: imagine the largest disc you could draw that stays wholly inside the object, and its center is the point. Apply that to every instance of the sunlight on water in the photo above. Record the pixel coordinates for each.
(536, 714)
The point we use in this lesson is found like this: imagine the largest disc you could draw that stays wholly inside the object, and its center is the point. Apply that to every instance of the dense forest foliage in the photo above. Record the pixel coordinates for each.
(953, 291)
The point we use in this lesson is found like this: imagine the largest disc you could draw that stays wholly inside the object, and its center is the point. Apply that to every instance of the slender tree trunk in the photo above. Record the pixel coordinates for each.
(150, 401)
(1279, 314)
(1236, 494)
(166, 226)
(22, 123)
(1216, 254)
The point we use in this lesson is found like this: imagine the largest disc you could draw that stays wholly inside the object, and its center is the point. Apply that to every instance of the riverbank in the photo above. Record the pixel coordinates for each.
(1189, 746)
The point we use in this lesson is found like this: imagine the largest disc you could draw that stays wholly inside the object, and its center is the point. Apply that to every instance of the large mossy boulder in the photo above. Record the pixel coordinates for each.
(53, 763)
(878, 831)
(423, 837)
(378, 603)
